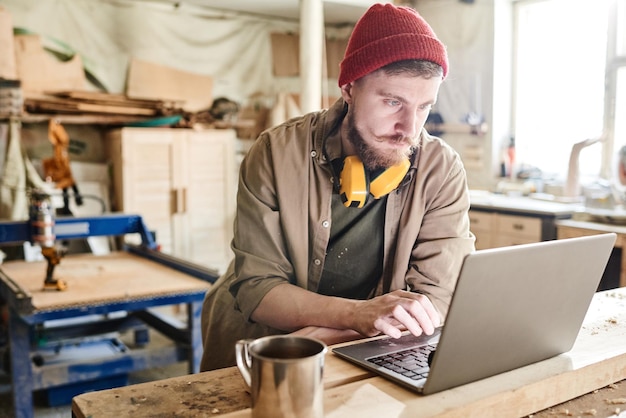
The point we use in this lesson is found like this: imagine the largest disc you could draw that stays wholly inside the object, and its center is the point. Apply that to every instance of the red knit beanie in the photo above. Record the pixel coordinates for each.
(386, 34)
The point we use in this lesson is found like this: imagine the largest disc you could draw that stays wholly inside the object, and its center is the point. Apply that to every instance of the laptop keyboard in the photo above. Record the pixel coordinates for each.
(411, 363)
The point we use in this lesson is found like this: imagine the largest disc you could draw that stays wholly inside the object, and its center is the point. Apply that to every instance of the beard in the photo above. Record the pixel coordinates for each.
(374, 158)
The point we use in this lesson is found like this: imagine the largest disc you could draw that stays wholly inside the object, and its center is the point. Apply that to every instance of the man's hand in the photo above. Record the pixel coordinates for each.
(394, 312)
(290, 308)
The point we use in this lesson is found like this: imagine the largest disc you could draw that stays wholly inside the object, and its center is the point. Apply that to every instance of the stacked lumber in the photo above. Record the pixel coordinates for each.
(86, 102)
(50, 87)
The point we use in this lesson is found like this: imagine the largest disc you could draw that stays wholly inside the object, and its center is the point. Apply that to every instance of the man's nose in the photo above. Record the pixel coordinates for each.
(407, 124)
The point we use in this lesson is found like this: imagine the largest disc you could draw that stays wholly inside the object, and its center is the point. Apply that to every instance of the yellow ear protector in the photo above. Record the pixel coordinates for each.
(355, 184)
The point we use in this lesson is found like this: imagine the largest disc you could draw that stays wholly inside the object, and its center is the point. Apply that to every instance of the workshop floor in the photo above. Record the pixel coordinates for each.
(43, 411)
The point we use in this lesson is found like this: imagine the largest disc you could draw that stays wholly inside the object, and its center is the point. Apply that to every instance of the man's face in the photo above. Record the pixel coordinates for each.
(385, 116)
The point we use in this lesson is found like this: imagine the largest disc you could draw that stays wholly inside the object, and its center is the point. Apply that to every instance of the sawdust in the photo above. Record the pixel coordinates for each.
(601, 403)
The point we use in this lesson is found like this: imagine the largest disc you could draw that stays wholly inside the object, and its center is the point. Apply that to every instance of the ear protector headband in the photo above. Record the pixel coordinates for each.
(355, 184)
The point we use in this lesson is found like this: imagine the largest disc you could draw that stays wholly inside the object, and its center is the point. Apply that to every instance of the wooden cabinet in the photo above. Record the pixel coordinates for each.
(182, 182)
(482, 225)
(493, 229)
(514, 230)
(615, 272)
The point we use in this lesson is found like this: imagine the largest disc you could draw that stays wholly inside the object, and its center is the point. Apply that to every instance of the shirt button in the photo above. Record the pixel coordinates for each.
(317, 262)
(313, 153)
(325, 224)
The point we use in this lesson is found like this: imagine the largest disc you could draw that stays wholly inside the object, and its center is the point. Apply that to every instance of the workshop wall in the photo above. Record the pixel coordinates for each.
(236, 51)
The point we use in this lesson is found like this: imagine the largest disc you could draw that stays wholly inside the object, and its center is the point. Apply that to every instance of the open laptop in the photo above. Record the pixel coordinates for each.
(511, 307)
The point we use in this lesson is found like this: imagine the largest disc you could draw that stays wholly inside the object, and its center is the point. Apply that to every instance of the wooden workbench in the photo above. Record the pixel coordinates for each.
(597, 359)
(91, 280)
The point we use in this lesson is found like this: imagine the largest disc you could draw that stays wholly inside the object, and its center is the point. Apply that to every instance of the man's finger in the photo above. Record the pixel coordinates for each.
(386, 328)
(427, 307)
(409, 320)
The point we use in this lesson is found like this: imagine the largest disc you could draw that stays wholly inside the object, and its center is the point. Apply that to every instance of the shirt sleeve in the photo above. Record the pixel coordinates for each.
(444, 237)
(261, 261)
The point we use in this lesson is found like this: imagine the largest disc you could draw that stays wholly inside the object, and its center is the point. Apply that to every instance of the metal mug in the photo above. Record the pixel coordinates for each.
(284, 373)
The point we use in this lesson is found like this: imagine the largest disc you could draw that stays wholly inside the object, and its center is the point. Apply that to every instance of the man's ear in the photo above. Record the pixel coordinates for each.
(346, 92)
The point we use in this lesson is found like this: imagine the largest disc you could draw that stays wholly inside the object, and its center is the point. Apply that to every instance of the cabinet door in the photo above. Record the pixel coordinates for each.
(144, 179)
(482, 226)
(515, 230)
(209, 195)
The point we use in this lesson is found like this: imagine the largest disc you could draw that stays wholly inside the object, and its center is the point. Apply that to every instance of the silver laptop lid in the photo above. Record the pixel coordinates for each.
(514, 306)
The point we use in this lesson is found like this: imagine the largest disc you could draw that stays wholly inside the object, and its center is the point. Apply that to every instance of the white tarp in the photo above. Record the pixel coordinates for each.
(233, 49)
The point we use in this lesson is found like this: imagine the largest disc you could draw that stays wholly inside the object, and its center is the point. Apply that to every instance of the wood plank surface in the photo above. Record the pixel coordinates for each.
(48, 103)
(191, 395)
(204, 394)
(84, 119)
(115, 99)
(148, 80)
(598, 359)
(91, 279)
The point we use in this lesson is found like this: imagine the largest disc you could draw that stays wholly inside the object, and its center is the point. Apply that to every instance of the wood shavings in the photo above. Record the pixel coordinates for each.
(616, 401)
(137, 401)
(612, 321)
(591, 412)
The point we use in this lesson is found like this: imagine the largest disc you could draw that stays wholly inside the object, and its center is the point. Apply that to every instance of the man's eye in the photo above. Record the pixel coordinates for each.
(392, 102)
(426, 107)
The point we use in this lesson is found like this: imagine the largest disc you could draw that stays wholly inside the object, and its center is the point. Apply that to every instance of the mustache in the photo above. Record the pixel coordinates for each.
(396, 138)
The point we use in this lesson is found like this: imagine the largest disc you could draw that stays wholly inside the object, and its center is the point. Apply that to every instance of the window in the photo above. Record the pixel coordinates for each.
(564, 59)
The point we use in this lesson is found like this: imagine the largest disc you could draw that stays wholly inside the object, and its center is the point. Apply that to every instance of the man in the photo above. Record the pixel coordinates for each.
(352, 221)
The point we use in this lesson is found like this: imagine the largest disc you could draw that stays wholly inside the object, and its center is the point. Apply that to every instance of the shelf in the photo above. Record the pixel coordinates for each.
(73, 119)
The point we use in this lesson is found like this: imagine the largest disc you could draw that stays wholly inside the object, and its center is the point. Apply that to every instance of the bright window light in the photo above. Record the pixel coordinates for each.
(560, 78)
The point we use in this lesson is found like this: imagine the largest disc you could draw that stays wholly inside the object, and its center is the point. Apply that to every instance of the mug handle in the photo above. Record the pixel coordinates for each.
(244, 360)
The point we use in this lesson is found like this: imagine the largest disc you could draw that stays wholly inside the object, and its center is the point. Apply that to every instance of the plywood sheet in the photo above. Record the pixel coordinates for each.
(119, 276)
(148, 80)
(286, 55)
(40, 71)
(335, 48)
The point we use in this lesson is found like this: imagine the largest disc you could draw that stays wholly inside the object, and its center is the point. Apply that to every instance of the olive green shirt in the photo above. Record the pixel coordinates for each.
(354, 257)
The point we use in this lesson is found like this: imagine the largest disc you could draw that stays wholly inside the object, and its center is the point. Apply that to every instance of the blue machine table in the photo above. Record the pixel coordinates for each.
(69, 340)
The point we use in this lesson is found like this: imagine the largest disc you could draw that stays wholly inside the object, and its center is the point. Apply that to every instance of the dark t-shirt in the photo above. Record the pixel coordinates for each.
(354, 257)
